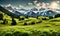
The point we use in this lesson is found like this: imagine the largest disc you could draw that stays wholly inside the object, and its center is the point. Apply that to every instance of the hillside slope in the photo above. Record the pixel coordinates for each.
(30, 26)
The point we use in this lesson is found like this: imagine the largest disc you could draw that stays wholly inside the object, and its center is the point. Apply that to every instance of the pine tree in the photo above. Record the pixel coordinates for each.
(13, 22)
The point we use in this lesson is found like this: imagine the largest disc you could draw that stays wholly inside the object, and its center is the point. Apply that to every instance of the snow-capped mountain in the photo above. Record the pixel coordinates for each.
(31, 14)
(18, 13)
(58, 11)
(46, 13)
(23, 12)
(9, 8)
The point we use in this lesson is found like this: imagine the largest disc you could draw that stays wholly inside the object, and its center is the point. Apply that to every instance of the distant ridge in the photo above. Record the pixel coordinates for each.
(15, 13)
(8, 12)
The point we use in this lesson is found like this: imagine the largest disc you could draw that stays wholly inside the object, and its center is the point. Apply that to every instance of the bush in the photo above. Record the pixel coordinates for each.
(55, 34)
(44, 19)
(32, 23)
(39, 22)
(21, 19)
(8, 34)
(42, 35)
(47, 33)
(1, 16)
(4, 21)
(13, 22)
(26, 17)
(37, 17)
(46, 26)
(17, 33)
(58, 15)
(50, 17)
(25, 34)
(25, 23)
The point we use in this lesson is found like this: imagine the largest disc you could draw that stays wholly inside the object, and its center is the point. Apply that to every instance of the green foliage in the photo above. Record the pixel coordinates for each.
(25, 34)
(50, 17)
(26, 17)
(42, 26)
(58, 15)
(8, 34)
(44, 18)
(4, 21)
(25, 23)
(1, 16)
(13, 22)
(21, 19)
(32, 23)
(17, 33)
(39, 22)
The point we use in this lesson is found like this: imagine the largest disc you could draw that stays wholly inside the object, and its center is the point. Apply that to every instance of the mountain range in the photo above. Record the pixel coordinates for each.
(24, 12)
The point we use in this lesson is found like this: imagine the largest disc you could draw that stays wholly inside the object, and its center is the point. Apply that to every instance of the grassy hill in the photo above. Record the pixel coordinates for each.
(41, 26)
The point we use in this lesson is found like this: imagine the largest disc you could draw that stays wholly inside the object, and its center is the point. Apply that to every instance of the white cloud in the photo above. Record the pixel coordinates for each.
(47, 4)
(37, 5)
(43, 5)
(35, 1)
(58, 2)
(8, 5)
(30, 3)
(20, 6)
(54, 5)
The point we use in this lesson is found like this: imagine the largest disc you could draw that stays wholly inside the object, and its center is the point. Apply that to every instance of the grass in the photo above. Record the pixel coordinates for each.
(50, 27)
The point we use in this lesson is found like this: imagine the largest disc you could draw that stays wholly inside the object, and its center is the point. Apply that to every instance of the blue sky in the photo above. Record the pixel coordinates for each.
(17, 2)
(23, 2)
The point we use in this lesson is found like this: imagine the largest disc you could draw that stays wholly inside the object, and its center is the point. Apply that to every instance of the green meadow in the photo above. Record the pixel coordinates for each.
(29, 26)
